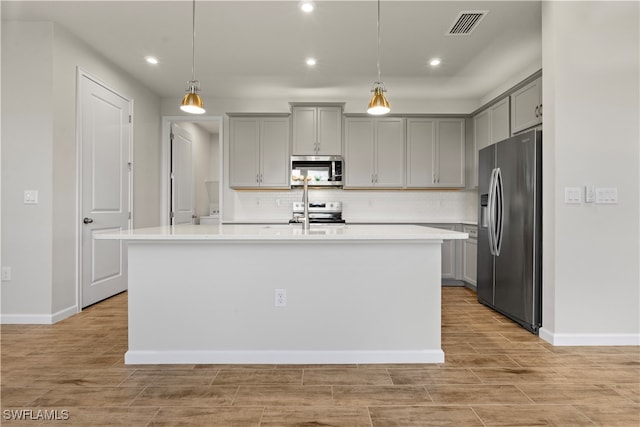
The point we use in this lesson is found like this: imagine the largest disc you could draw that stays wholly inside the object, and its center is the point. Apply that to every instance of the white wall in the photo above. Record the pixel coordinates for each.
(27, 164)
(591, 73)
(39, 63)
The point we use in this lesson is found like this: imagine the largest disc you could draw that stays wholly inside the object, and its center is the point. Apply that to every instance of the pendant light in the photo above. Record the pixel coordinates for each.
(378, 104)
(192, 103)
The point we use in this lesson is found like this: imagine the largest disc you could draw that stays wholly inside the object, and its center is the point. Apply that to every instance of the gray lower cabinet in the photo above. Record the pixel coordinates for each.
(449, 253)
(470, 255)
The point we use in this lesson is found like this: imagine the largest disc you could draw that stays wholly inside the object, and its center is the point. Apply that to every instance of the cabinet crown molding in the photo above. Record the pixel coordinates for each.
(317, 104)
(287, 114)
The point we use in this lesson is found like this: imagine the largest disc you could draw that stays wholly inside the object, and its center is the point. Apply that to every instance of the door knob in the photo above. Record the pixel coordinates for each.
(88, 220)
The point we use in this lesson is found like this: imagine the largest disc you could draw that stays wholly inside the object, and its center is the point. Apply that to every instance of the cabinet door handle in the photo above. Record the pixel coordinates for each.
(88, 220)
(537, 109)
(540, 110)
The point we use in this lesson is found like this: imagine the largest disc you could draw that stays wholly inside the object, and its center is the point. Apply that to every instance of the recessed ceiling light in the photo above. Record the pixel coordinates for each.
(307, 6)
(435, 62)
(311, 61)
(151, 60)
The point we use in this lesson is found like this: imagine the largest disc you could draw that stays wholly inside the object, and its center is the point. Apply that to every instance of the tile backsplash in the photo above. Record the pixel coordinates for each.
(366, 206)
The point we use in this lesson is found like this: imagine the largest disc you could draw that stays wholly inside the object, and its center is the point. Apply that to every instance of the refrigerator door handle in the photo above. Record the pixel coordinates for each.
(492, 212)
(500, 212)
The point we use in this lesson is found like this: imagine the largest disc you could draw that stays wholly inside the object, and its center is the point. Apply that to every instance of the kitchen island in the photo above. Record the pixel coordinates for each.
(270, 294)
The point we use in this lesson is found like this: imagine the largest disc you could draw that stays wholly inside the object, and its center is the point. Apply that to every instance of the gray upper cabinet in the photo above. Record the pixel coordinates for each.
(489, 126)
(526, 106)
(481, 139)
(435, 153)
(259, 151)
(499, 118)
(421, 139)
(374, 152)
(317, 130)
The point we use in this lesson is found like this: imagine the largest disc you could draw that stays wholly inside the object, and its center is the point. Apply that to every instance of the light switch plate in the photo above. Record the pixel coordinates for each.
(589, 194)
(606, 196)
(572, 195)
(30, 197)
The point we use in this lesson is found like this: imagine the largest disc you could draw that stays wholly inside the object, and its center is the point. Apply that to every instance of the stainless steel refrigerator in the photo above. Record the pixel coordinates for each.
(510, 228)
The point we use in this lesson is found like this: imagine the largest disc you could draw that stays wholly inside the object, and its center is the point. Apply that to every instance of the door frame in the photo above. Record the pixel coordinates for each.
(165, 169)
(80, 74)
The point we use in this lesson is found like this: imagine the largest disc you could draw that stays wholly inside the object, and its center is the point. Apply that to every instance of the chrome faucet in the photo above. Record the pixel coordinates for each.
(305, 200)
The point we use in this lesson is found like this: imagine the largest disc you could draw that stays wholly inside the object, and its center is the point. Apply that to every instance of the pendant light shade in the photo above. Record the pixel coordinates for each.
(191, 102)
(378, 104)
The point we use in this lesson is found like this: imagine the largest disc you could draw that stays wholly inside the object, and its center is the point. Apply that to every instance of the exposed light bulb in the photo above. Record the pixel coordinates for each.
(311, 61)
(151, 60)
(435, 62)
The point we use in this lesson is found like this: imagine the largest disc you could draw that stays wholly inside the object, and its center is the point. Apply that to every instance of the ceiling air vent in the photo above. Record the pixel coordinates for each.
(466, 22)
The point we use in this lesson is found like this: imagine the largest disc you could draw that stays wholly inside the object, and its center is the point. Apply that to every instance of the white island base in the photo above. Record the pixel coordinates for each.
(357, 294)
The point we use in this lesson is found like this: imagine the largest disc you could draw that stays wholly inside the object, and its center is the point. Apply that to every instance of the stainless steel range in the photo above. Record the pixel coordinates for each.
(319, 212)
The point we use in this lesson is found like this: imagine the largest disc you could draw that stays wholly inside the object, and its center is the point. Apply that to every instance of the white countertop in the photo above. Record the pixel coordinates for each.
(368, 221)
(285, 232)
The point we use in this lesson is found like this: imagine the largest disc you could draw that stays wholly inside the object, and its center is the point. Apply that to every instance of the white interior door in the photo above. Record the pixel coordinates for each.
(105, 132)
(182, 190)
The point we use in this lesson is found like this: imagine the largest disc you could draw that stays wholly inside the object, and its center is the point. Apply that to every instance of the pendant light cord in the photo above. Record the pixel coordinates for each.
(378, 41)
(193, 43)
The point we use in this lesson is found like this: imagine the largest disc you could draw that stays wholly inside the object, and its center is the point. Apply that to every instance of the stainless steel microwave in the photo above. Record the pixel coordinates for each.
(325, 171)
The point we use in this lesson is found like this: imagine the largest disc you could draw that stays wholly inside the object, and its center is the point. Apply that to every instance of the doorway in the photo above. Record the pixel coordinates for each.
(191, 181)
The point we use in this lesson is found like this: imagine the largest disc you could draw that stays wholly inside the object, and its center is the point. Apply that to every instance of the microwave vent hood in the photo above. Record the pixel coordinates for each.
(325, 171)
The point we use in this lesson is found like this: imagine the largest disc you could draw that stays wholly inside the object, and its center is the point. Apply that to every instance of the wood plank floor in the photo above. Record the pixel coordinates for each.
(496, 374)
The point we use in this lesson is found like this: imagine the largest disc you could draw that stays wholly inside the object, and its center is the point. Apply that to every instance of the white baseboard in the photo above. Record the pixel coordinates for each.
(63, 314)
(281, 357)
(588, 339)
(38, 319)
(26, 319)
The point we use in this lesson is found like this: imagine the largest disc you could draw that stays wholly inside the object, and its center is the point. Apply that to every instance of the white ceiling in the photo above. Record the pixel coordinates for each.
(252, 49)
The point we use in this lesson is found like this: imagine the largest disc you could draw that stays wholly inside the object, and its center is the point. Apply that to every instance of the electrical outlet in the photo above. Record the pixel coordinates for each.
(6, 274)
(280, 297)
